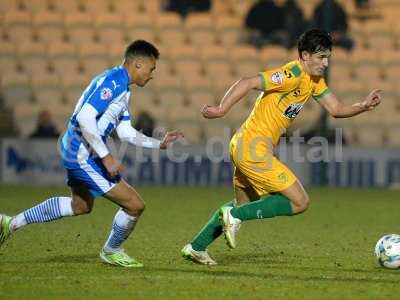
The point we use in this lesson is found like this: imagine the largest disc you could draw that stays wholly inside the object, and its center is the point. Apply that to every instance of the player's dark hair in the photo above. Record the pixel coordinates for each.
(141, 48)
(313, 41)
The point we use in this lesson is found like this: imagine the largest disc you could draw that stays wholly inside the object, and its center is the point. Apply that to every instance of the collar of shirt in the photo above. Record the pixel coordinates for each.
(126, 75)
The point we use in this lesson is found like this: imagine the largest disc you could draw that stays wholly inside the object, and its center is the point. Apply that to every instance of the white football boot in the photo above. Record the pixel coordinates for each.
(231, 226)
(200, 257)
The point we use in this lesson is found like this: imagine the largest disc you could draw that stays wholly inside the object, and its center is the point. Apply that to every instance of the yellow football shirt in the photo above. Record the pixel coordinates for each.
(286, 90)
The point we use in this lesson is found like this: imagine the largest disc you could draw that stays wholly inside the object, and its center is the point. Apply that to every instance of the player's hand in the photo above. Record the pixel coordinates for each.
(372, 100)
(169, 138)
(212, 112)
(112, 165)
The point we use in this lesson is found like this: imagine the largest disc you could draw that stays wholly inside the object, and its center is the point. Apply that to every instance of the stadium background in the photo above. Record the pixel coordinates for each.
(49, 51)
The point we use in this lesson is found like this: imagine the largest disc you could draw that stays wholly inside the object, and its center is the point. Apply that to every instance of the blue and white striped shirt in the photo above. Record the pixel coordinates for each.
(108, 93)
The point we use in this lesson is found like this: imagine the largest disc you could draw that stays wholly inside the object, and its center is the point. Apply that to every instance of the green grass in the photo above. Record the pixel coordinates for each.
(326, 253)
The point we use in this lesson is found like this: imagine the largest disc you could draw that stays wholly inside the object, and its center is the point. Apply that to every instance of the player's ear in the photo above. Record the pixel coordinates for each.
(305, 55)
(138, 63)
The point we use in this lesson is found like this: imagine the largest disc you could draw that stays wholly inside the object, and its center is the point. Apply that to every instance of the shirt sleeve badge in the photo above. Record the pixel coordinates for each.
(277, 77)
(106, 94)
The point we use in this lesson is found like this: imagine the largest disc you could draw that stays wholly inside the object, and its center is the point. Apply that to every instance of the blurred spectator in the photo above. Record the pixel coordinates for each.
(363, 4)
(45, 126)
(330, 16)
(184, 7)
(265, 21)
(365, 10)
(7, 124)
(294, 22)
(145, 123)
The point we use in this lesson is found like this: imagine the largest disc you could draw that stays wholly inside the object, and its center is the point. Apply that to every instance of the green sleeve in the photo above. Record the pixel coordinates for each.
(263, 82)
(324, 93)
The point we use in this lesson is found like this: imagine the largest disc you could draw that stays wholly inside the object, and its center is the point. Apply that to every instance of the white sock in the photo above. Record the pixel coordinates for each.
(66, 206)
(122, 227)
(62, 207)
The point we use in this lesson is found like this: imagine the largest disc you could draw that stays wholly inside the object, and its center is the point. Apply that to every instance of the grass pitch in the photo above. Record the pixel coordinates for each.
(326, 253)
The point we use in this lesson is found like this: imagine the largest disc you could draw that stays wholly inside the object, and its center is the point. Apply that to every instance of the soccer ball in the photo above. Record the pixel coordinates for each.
(387, 251)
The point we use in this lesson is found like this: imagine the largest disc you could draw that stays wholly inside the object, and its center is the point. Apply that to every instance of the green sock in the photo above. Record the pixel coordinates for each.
(209, 232)
(266, 207)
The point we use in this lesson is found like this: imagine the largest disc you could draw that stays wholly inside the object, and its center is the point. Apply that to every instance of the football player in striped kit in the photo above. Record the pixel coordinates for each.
(91, 169)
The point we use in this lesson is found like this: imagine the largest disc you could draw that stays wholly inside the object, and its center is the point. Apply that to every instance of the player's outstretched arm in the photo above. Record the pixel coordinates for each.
(169, 138)
(338, 109)
(129, 134)
(234, 94)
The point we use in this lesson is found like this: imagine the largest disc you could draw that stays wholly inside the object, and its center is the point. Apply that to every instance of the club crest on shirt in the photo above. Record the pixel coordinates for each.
(277, 77)
(106, 94)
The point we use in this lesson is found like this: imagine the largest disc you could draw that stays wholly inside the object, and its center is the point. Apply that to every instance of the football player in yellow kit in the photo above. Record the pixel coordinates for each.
(264, 186)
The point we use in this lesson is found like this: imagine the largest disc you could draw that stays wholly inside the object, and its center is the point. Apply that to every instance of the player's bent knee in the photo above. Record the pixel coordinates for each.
(304, 203)
(135, 207)
(301, 204)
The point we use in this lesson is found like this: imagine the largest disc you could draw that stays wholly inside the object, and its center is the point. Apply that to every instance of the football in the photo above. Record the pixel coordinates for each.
(387, 251)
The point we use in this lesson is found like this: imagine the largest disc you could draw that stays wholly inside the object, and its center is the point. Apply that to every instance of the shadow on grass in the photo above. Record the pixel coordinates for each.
(274, 263)
(282, 261)
(273, 267)
(213, 272)
(85, 258)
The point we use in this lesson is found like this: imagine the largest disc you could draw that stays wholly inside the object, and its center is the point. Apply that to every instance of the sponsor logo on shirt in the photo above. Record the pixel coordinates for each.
(277, 77)
(296, 93)
(115, 84)
(293, 110)
(106, 94)
(288, 74)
